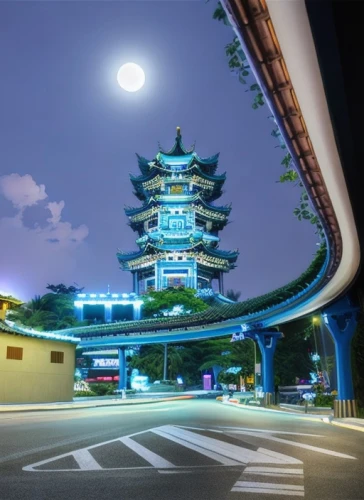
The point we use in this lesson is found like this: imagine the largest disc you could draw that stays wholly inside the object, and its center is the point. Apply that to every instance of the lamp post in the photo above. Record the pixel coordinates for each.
(255, 368)
(242, 336)
(255, 365)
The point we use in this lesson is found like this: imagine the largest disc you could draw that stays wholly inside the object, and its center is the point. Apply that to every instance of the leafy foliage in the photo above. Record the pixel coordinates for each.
(292, 359)
(158, 304)
(226, 354)
(237, 62)
(358, 362)
(191, 358)
(63, 289)
(50, 312)
(220, 15)
(150, 361)
(233, 295)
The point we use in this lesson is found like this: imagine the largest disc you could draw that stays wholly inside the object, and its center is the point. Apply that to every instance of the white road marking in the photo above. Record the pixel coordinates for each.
(266, 491)
(241, 430)
(299, 445)
(242, 455)
(273, 486)
(224, 453)
(274, 471)
(215, 456)
(146, 454)
(85, 460)
(246, 485)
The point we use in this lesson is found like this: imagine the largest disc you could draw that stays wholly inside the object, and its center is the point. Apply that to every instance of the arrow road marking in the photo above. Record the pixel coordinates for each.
(232, 451)
(222, 452)
(215, 456)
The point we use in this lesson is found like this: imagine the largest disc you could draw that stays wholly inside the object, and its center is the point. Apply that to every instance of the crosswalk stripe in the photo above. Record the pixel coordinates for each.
(267, 491)
(148, 455)
(292, 476)
(207, 453)
(273, 486)
(85, 460)
(273, 471)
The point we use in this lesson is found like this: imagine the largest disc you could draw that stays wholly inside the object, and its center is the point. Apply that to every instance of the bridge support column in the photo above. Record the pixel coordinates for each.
(108, 313)
(267, 342)
(122, 368)
(79, 312)
(135, 282)
(341, 319)
(165, 362)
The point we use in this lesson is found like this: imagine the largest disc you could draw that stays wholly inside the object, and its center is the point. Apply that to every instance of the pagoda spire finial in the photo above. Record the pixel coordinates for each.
(178, 131)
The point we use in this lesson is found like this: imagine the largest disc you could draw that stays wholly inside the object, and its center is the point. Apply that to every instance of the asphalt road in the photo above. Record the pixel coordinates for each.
(193, 449)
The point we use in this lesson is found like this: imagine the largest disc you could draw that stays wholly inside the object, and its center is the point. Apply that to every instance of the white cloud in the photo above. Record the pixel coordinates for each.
(56, 211)
(41, 254)
(22, 191)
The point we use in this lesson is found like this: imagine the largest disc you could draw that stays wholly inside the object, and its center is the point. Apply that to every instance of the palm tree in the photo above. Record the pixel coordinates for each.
(233, 295)
(151, 361)
(49, 312)
(224, 354)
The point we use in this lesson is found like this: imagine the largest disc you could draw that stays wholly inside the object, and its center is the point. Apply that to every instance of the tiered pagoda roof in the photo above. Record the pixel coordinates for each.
(177, 216)
(206, 255)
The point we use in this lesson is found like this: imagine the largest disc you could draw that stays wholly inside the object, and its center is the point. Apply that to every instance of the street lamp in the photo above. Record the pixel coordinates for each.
(255, 366)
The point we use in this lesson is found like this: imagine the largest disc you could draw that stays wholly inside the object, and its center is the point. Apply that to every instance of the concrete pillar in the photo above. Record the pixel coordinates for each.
(108, 311)
(79, 313)
(136, 282)
(341, 320)
(165, 363)
(122, 368)
(136, 311)
(267, 342)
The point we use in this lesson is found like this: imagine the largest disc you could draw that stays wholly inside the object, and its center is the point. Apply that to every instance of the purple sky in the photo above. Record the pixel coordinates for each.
(69, 136)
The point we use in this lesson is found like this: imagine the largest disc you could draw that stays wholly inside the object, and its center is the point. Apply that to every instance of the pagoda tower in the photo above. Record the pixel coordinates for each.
(178, 224)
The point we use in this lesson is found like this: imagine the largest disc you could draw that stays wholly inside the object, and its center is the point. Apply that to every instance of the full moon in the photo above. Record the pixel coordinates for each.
(131, 77)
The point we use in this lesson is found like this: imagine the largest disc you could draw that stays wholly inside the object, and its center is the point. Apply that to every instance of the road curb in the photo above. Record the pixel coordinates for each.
(325, 419)
(312, 417)
(348, 426)
(82, 406)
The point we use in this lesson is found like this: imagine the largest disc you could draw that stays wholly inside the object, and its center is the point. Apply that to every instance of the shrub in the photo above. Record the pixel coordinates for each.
(104, 389)
(84, 394)
(324, 400)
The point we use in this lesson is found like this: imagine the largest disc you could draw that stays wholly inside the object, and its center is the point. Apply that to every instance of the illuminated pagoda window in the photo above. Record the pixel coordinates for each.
(178, 223)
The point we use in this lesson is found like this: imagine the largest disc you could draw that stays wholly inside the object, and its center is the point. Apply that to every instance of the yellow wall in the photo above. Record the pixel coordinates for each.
(35, 379)
(3, 309)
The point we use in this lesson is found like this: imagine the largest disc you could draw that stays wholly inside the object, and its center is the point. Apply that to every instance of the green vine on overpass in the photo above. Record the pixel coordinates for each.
(237, 62)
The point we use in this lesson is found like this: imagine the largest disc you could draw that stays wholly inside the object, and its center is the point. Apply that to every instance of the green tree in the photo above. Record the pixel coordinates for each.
(150, 361)
(157, 304)
(233, 295)
(52, 311)
(64, 290)
(292, 357)
(226, 354)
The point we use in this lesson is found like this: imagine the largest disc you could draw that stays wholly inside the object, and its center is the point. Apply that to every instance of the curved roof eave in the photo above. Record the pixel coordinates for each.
(291, 29)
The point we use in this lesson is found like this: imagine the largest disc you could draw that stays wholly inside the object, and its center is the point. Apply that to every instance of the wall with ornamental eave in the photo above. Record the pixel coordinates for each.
(34, 379)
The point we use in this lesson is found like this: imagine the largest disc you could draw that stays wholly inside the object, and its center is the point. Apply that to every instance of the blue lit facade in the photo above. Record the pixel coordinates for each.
(107, 307)
(177, 225)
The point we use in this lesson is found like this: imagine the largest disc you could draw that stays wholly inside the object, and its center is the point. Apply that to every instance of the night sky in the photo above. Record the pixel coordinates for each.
(69, 135)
